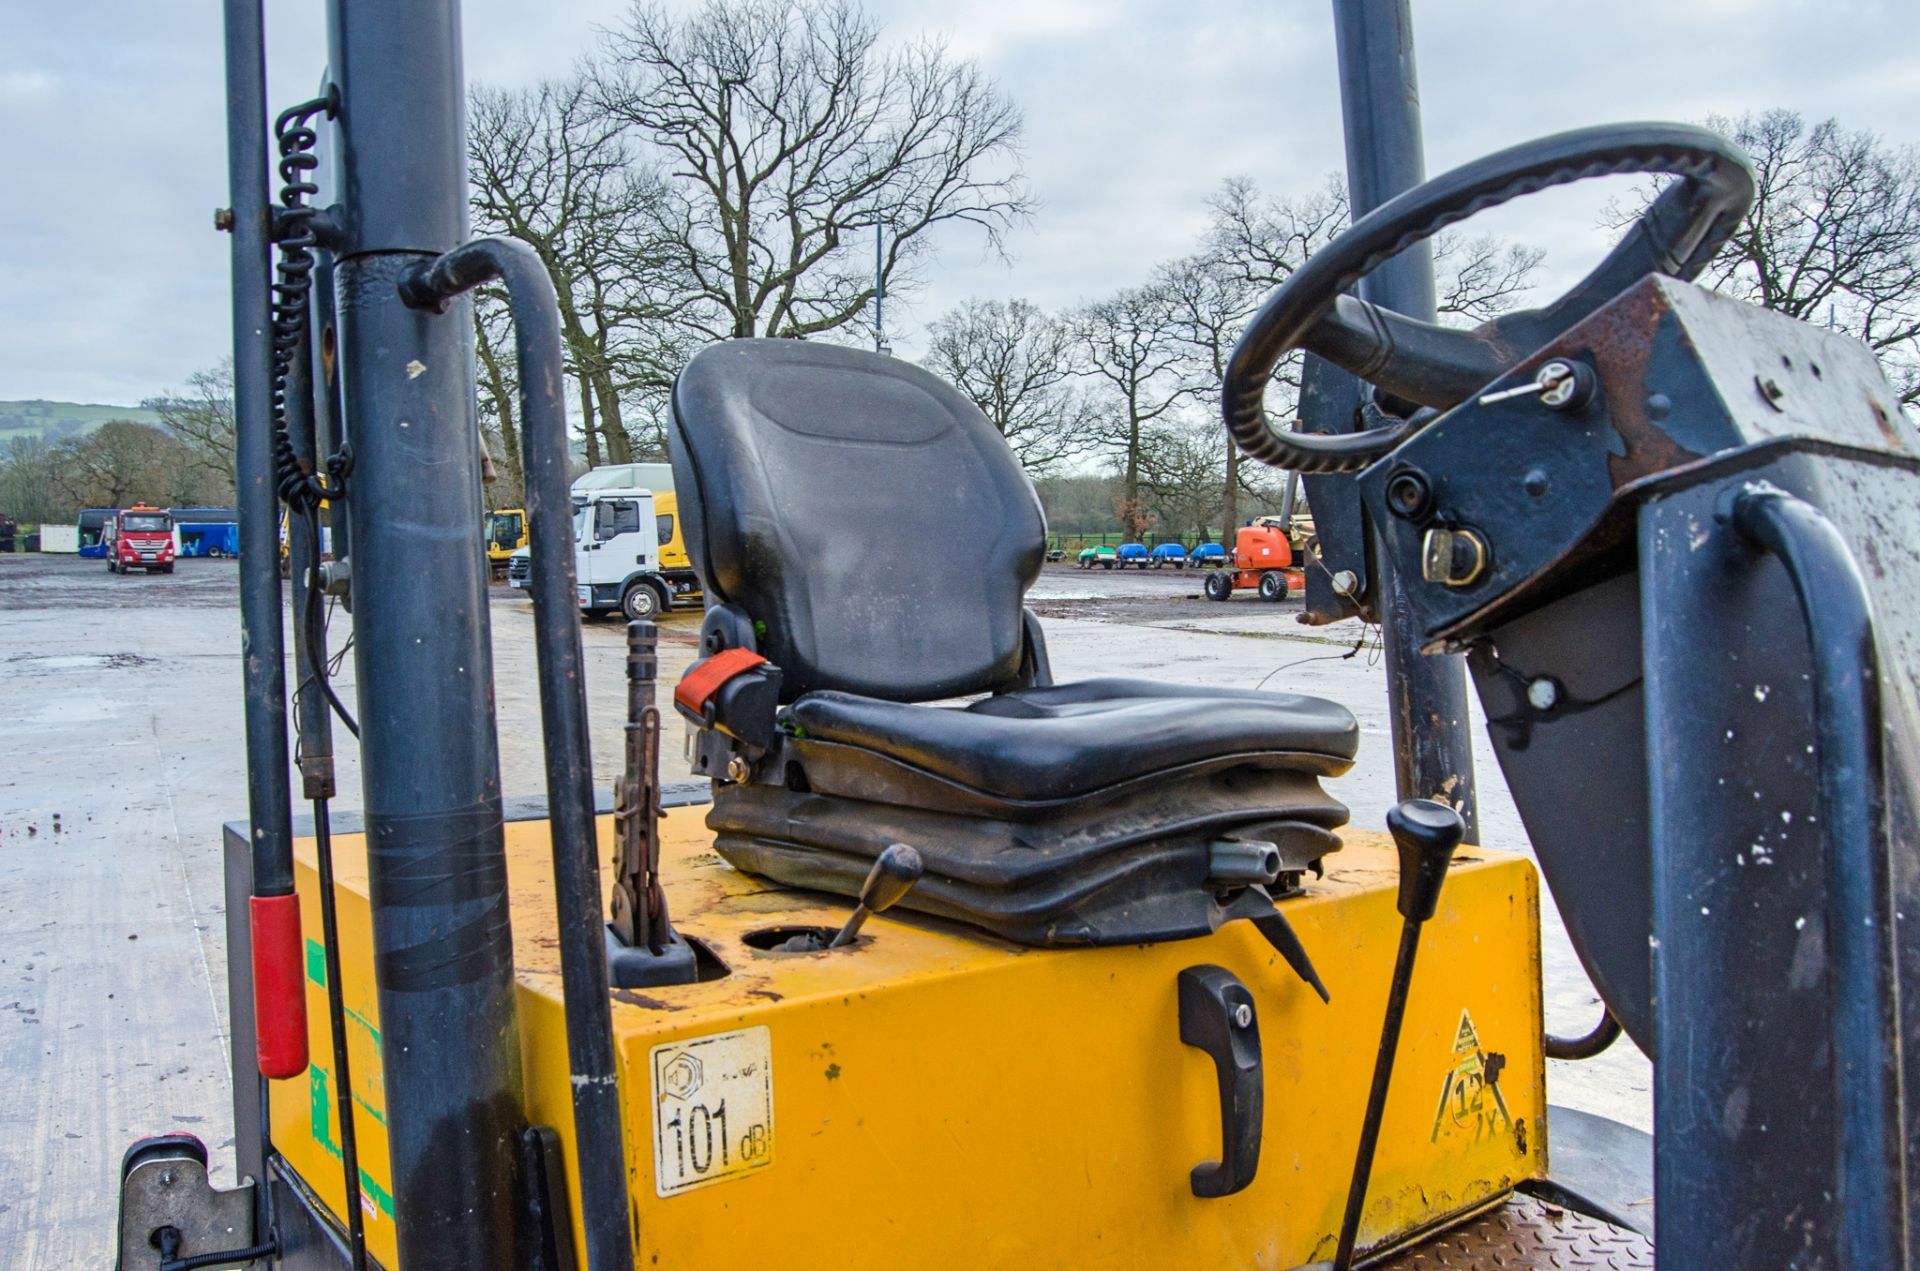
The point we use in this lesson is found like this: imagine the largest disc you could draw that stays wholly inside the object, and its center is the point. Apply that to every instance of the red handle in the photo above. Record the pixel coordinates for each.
(279, 986)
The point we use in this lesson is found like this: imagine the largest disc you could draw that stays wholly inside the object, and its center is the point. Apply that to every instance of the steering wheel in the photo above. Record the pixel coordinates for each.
(1430, 365)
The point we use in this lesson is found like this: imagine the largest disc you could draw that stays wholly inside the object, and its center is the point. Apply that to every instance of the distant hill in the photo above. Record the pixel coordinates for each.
(54, 420)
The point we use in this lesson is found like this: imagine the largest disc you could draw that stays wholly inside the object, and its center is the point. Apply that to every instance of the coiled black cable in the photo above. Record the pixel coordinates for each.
(296, 480)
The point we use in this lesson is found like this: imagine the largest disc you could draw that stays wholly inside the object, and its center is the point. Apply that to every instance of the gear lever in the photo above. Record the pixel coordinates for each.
(893, 874)
(1426, 833)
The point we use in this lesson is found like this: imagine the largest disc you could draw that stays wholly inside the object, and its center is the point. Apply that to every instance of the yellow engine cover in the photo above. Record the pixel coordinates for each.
(933, 1097)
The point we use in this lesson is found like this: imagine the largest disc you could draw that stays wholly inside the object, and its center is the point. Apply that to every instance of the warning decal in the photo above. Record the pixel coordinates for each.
(1470, 1100)
(712, 1109)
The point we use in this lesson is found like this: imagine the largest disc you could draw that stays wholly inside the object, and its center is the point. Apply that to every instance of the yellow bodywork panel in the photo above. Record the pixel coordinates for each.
(933, 1097)
(673, 547)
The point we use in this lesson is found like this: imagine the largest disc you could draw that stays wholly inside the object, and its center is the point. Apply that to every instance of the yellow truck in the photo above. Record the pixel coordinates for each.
(506, 533)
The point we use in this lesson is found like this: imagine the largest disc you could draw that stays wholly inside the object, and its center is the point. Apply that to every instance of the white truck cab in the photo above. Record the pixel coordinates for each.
(623, 518)
(616, 553)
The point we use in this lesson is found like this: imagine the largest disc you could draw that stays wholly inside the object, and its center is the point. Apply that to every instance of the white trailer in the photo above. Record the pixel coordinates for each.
(60, 540)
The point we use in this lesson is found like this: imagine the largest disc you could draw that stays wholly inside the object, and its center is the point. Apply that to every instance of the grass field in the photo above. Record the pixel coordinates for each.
(54, 420)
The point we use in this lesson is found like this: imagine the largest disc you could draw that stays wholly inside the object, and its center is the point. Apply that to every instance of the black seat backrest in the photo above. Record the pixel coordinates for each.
(862, 510)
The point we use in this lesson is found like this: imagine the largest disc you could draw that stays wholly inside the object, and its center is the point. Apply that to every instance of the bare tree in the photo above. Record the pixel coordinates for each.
(1017, 365)
(789, 135)
(31, 488)
(499, 386)
(1252, 244)
(114, 465)
(1261, 239)
(1481, 277)
(1264, 239)
(122, 462)
(1833, 237)
(1180, 485)
(202, 417)
(551, 168)
(1211, 299)
(1129, 345)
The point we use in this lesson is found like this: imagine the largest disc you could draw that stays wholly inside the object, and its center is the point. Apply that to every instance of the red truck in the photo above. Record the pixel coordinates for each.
(139, 537)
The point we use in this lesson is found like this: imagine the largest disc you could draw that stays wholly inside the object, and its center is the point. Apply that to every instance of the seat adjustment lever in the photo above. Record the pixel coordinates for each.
(1286, 942)
(1217, 1015)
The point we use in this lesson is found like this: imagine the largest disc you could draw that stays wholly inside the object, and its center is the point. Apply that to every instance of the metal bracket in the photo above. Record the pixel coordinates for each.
(543, 1178)
(638, 967)
(170, 1214)
(1217, 1016)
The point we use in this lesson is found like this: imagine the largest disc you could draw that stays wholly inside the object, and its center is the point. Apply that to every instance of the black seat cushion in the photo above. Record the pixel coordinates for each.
(1118, 867)
(1063, 742)
(864, 515)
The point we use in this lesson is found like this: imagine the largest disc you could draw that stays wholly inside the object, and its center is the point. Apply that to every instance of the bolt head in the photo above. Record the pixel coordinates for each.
(737, 769)
(1242, 1015)
(1543, 694)
(166, 1178)
(1345, 583)
(223, 219)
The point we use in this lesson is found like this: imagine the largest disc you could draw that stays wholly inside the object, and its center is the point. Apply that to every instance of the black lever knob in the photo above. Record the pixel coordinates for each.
(1426, 833)
(893, 875)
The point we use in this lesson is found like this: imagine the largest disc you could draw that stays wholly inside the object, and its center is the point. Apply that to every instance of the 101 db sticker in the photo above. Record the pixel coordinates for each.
(712, 1109)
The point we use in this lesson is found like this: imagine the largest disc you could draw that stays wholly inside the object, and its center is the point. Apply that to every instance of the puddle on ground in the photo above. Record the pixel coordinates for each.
(71, 710)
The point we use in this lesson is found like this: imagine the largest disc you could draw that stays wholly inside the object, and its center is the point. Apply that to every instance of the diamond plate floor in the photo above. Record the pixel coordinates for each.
(1525, 1234)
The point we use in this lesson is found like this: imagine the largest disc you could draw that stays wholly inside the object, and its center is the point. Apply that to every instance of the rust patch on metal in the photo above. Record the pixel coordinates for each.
(1620, 341)
(1887, 429)
(632, 998)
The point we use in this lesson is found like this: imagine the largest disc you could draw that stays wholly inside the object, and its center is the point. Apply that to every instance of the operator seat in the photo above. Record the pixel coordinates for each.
(861, 526)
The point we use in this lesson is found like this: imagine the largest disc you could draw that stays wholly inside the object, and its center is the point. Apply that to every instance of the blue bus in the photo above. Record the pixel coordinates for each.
(207, 531)
(92, 523)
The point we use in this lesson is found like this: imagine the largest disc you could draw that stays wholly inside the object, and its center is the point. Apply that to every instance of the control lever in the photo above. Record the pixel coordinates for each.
(893, 875)
(1286, 942)
(643, 950)
(639, 904)
(1426, 833)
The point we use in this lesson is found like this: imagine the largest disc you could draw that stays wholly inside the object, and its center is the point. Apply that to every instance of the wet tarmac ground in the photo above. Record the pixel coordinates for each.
(122, 753)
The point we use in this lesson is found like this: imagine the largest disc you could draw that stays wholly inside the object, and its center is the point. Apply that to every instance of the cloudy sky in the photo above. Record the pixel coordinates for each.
(113, 285)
